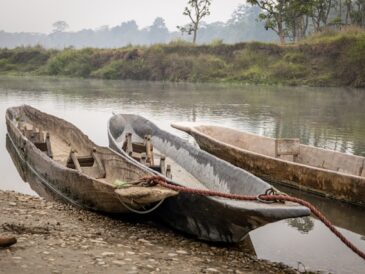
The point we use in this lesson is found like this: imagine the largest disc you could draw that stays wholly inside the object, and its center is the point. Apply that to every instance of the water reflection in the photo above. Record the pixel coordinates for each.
(340, 214)
(329, 118)
(304, 225)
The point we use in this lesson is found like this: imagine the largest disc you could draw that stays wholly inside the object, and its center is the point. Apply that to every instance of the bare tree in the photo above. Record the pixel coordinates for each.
(60, 26)
(196, 10)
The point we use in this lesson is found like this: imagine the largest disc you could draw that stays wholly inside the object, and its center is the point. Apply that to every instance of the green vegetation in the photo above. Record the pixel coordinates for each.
(290, 19)
(327, 59)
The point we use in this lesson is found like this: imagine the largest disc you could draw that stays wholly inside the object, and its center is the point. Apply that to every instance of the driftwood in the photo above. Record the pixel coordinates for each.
(7, 241)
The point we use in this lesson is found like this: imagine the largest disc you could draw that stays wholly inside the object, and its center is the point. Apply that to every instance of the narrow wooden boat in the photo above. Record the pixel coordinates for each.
(208, 218)
(76, 169)
(286, 161)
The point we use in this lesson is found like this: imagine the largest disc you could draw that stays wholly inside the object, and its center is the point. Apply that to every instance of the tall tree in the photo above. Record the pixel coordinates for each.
(348, 4)
(273, 14)
(244, 26)
(196, 10)
(296, 18)
(60, 26)
(358, 12)
(320, 12)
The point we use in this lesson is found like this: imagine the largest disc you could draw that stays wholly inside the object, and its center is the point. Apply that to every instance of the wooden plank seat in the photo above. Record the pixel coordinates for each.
(45, 145)
(36, 136)
(287, 148)
(143, 152)
(89, 164)
(138, 149)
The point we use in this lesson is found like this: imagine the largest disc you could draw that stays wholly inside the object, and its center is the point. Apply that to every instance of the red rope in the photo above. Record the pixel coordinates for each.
(161, 181)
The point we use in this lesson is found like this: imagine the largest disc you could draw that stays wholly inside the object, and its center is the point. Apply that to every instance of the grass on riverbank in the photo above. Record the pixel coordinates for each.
(326, 59)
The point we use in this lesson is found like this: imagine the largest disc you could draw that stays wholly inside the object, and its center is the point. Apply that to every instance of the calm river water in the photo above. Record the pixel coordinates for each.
(329, 118)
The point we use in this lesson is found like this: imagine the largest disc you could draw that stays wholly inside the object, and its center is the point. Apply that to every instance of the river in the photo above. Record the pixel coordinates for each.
(331, 118)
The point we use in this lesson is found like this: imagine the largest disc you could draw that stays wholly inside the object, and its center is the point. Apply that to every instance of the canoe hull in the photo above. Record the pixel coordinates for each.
(319, 181)
(68, 184)
(203, 217)
(90, 186)
(206, 218)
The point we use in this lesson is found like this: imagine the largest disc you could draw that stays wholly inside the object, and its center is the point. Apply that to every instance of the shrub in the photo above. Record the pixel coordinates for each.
(124, 69)
(286, 70)
(71, 62)
(249, 57)
(295, 57)
(216, 42)
(352, 69)
(253, 74)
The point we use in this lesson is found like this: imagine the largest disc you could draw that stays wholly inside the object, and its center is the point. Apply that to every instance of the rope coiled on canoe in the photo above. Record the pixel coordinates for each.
(267, 197)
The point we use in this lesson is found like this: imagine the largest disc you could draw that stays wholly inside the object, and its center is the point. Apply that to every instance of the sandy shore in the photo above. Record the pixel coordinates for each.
(57, 238)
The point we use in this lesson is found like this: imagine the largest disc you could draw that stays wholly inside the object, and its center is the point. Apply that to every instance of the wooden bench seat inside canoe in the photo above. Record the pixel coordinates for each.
(143, 152)
(36, 136)
(91, 165)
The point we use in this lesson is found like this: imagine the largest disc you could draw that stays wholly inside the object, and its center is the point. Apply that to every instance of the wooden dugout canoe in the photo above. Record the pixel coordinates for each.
(208, 218)
(72, 166)
(321, 171)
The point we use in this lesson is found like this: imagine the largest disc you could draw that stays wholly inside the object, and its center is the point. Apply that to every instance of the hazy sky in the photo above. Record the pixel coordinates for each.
(39, 15)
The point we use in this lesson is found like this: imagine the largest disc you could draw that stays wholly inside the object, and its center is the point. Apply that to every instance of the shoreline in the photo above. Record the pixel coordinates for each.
(327, 59)
(55, 237)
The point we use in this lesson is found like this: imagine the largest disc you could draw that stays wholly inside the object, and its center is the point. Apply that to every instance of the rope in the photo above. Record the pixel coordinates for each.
(153, 180)
(140, 211)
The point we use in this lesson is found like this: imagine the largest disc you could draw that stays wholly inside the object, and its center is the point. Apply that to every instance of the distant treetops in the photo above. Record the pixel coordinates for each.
(294, 19)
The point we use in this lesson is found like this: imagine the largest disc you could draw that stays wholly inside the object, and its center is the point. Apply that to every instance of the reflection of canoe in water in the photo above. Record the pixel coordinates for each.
(73, 167)
(322, 171)
(343, 215)
(206, 217)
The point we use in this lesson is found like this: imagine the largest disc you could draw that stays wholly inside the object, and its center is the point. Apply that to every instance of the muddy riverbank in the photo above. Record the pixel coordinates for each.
(57, 238)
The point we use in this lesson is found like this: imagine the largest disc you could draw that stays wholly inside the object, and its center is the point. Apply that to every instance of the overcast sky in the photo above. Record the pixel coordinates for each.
(39, 15)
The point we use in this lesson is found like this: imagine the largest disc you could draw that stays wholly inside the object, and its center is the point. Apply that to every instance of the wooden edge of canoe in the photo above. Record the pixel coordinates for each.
(144, 195)
(182, 126)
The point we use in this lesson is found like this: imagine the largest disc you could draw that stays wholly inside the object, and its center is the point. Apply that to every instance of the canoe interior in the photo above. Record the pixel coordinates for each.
(179, 173)
(65, 138)
(190, 166)
(199, 169)
(61, 154)
(295, 152)
(205, 170)
(208, 218)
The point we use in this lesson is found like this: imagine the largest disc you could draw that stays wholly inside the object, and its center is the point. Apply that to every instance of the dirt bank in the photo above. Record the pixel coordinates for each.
(57, 238)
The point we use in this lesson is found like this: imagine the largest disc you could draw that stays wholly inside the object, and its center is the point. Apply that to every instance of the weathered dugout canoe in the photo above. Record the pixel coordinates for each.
(87, 181)
(286, 161)
(208, 218)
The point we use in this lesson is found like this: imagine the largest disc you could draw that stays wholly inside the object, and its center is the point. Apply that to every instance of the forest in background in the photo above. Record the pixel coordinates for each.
(256, 20)
(242, 26)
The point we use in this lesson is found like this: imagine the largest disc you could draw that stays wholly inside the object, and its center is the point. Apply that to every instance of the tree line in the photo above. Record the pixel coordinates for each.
(242, 26)
(289, 19)
(259, 20)
(295, 19)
